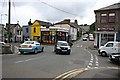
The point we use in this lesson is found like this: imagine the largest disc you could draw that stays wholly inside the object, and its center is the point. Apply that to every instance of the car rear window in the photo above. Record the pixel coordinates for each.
(29, 42)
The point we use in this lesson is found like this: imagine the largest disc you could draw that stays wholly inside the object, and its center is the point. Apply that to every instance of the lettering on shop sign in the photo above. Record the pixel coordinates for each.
(105, 29)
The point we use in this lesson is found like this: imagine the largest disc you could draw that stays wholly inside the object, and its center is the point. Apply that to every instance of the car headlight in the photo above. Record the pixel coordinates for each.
(58, 47)
(68, 47)
(113, 57)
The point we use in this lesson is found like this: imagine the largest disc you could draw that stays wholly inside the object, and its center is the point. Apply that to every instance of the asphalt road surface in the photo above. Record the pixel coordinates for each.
(50, 65)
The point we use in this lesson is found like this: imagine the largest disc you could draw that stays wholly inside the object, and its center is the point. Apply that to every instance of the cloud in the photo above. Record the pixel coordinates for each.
(56, 10)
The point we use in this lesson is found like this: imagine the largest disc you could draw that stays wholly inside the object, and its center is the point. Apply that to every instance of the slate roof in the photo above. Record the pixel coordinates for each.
(66, 21)
(72, 24)
(43, 23)
(113, 6)
(12, 26)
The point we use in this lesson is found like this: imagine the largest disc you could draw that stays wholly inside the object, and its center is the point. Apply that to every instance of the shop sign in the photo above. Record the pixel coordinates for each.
(46, 29)
(63, 30)
(105, 29)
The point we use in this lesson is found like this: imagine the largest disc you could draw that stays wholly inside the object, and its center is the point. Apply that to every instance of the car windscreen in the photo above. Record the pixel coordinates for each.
(62, 44)
(29, 42)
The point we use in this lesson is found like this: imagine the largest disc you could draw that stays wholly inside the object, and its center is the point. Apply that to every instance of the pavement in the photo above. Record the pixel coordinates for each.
(92, 47)
(97, 74)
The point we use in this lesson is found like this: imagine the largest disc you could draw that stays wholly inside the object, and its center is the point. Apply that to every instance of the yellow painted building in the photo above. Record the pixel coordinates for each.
(36, 31)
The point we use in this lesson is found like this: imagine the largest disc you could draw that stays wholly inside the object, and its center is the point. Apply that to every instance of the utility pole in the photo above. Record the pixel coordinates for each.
(9, 18)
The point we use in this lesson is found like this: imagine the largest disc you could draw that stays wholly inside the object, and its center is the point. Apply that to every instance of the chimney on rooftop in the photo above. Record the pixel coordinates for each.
(67, 20)
(76, 21)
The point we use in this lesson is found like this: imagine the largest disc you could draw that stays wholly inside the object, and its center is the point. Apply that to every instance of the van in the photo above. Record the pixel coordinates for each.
(109, 48)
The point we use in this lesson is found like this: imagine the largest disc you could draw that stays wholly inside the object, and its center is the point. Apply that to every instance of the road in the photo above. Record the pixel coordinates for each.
(50, 65)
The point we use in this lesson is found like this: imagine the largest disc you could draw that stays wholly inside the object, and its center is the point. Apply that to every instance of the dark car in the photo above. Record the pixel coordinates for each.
(114, 57)
(62, 47)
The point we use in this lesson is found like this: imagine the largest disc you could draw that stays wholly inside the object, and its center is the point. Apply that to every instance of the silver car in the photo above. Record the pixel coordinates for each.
(30, 46)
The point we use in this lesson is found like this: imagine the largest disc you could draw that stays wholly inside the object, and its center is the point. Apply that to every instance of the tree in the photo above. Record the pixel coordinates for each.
(92, 28)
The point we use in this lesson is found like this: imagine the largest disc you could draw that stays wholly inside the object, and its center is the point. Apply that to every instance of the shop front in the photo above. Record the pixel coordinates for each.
(52, 35)
(48, 35)
(61, 36)
(102, 37)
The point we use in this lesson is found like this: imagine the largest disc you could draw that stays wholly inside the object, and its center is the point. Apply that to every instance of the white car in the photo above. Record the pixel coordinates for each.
(2, 43)
(30, 46)
(109, 48)
(84, 39)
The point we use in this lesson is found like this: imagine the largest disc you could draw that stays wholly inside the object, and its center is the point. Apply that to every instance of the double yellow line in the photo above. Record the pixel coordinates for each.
(70, 74)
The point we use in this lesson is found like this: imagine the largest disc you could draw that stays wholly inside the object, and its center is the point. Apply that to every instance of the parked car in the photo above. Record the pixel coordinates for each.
(84, 39)
(114, 57)
(2, 43)
(30, 46)
(91, 38)
(109, 48)
(62, 47)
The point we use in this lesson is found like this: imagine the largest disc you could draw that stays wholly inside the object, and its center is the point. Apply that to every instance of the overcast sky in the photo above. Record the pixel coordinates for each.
(52, 10)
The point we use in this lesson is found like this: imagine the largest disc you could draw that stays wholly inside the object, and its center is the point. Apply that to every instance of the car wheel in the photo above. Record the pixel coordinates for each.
(104, 54)
(21, 52)
(56, 51)
(68, 53)
(35, 51)
(42, 49)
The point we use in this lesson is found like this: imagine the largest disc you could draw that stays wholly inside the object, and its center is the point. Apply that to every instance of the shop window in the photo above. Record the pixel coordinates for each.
(103, 18)
(111, 17)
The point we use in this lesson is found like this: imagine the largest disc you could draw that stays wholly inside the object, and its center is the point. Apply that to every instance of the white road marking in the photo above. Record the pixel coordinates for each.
(28, 59)
(90, 64)
(88, 67)
(81, 46)
(78, 46)
(91, 61)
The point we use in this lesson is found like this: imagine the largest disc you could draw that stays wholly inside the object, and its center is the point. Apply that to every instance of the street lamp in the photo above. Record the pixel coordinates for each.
(1, 17)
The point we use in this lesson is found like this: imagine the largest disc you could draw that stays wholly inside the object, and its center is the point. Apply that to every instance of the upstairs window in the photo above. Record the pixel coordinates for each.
(111, 17)
(17, 32)
(103, 18)
(26, 30)
(34, 30)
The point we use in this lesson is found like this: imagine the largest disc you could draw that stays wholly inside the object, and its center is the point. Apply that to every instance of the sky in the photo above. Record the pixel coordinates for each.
(52, 10)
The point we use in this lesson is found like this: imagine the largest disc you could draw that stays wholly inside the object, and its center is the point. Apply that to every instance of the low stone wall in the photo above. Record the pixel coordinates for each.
(8, 49)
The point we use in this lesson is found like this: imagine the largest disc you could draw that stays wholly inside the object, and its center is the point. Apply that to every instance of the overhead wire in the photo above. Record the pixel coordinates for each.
(2, 5)
(15, 10)
(57, 8)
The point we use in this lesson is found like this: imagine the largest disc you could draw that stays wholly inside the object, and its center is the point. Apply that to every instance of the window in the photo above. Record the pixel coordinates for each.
(103, 18)
(26, 30)
(34, 30)
(72, 29)
(109, 45)
(111, 17)
(17, 32)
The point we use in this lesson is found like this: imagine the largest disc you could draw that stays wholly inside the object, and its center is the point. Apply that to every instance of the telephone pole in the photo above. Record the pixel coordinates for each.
(9, 18)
